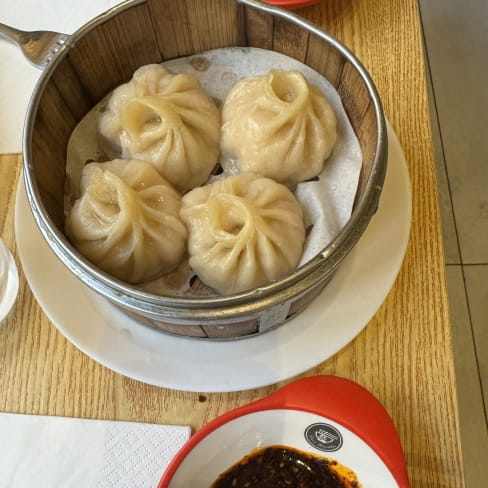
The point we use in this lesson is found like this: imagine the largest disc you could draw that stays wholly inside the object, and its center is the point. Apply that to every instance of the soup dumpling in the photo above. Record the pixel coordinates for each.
(166, 119)
(278, 125)
(244, 231)
(127, 221)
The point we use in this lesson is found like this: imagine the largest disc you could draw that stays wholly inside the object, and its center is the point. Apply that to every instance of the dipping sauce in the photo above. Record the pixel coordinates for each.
(282, 466)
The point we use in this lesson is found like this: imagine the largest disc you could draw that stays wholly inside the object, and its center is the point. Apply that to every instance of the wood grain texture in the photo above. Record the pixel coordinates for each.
(403, 356)
(290, 40)
(259, 29)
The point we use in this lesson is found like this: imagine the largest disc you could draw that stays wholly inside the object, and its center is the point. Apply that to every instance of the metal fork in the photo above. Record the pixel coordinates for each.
(39, 47)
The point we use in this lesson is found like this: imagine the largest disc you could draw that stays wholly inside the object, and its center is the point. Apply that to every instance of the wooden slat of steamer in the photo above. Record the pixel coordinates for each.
(95, 65)
(324, 59)
(179, 329)
(231, 330)
(53, 126)
(171, 27)
(67, 82)
(361, 114)
(354, 95)
(191, 26)
(133, 29)
(366, 133)
(109, 54)
(215, 24)
(259, 28)
(289, 39)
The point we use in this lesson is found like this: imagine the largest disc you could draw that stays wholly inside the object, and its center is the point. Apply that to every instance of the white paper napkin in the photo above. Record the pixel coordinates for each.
(50, 452)
(17, 76)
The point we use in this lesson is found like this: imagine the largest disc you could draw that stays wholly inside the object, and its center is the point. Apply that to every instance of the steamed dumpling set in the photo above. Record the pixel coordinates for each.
(165, 136)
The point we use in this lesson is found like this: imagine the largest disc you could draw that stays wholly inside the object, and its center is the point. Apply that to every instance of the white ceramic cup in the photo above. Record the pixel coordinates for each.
(9, 281)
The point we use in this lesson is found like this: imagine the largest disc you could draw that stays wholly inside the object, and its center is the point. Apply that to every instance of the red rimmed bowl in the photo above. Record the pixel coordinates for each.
(324, 416)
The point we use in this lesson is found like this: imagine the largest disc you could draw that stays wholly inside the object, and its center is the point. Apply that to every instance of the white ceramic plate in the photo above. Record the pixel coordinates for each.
(334, 318)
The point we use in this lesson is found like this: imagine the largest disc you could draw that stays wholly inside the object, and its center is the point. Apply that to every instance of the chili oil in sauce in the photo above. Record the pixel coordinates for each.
(281, 466)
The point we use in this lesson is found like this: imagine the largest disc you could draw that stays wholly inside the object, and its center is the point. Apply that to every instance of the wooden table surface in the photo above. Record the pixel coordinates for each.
(403, 356)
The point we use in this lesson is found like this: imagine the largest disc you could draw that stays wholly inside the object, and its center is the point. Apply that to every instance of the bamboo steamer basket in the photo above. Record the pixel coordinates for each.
(103, 54)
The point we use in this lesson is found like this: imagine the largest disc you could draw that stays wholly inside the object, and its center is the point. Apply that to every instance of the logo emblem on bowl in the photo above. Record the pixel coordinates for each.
(324, 437)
